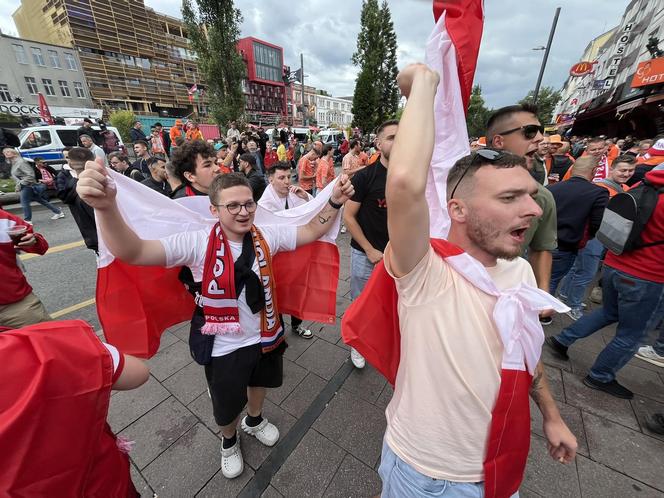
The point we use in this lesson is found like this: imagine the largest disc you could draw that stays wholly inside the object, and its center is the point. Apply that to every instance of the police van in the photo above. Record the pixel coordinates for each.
(49, 142)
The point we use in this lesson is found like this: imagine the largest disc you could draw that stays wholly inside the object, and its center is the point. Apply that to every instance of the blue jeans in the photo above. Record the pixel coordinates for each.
(574, 285)
(561, 264)
(637, 305)
(35, 193)
(360, 271)
(400, 480)
(659, 342)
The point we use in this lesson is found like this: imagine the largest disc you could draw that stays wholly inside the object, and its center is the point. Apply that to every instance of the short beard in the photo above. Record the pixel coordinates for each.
(483, 235)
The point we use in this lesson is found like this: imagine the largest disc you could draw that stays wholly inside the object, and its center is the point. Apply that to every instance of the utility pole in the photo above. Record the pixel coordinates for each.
(546, 55)
(304, 112)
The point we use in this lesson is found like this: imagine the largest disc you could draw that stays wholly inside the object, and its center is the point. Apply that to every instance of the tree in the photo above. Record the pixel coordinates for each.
(213, 34)
(364, 102)
(546, 103)
(376, 56)
(123, 121)
(478, 113)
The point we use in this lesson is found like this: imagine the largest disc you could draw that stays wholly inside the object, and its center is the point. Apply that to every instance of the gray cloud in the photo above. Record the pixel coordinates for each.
(325, 32)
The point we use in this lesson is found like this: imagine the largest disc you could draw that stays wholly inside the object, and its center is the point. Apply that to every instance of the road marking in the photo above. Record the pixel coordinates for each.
(53, 250)
(73, 308)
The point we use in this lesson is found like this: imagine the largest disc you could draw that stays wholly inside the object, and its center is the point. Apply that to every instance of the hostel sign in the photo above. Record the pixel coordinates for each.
(619, 52)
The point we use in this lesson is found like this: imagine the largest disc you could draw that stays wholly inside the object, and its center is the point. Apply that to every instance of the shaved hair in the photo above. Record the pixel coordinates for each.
(584, 166)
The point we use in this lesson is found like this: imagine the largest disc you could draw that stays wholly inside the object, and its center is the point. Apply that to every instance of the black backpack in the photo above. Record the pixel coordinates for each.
(626, 216)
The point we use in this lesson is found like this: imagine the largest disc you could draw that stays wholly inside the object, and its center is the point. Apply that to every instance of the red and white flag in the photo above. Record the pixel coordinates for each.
(371, 323)
(136, 304)
(44, 111)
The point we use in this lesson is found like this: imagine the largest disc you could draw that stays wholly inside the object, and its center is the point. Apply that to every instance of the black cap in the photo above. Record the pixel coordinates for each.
(87, 120)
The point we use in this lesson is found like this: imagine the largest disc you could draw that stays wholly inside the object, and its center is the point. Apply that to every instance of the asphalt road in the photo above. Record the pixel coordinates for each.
(65, 277)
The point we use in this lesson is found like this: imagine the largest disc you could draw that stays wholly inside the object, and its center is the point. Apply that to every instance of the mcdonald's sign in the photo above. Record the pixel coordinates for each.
(581, 68)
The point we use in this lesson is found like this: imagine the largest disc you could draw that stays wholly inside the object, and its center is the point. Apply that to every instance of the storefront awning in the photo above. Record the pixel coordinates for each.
(629, 105)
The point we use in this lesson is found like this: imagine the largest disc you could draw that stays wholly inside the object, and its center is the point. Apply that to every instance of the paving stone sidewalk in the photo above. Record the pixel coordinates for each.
(331, 419)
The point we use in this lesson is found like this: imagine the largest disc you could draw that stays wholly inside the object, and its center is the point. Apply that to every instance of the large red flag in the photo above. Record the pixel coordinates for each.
(137, 303)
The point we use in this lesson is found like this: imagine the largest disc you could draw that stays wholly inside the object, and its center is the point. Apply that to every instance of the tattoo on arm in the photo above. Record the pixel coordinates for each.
(536, 385)
(322, 220)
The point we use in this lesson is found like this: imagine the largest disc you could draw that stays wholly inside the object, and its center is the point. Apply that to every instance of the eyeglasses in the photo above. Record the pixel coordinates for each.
(488, 155)
(236, 207)
(529, 131)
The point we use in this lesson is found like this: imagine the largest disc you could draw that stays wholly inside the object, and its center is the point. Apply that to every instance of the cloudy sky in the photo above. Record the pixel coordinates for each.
(325, 32)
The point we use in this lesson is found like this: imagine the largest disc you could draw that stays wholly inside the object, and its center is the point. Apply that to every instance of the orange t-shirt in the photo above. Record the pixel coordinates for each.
(194, 134)
(306, 168)
(324, 172)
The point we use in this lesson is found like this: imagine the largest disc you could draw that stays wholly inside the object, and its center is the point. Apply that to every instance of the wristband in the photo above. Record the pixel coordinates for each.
(334, 204)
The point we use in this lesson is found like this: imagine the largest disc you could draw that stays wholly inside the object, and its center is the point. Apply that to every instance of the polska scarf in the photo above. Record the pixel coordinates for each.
(219, 293)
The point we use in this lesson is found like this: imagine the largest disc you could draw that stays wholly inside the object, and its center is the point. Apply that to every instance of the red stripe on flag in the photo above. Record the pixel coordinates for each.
(307, 281)
(137, 303)
(464, 22)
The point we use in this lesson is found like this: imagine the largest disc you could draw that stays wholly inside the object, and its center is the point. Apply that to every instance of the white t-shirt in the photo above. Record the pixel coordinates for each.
(188, 249)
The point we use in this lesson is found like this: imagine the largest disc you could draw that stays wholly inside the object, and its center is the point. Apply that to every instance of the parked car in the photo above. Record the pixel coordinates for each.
(50, 141)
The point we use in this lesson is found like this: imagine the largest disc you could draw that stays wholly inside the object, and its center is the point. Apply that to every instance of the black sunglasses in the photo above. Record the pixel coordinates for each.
(529, 131)
(488, 155)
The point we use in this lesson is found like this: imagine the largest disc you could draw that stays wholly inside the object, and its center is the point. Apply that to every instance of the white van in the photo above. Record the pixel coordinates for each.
(301, 133)
(48, 142)
(331, 137)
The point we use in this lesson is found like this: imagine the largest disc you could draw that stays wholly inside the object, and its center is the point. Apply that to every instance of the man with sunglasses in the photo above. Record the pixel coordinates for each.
(440, 419)
(517, 129)
(235, 330)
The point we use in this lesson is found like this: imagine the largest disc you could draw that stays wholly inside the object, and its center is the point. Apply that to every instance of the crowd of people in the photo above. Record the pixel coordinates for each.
(527, 212)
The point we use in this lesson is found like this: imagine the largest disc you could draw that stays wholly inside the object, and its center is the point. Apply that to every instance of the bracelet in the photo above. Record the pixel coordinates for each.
(334, 204)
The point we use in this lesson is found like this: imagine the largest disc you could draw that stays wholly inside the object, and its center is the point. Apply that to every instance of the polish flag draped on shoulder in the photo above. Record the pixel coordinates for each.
(136, 304)
(371, 323)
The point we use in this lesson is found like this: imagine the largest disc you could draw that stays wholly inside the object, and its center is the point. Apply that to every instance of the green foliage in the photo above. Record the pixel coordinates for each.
(478, 113)
(123, 121)
(546, 103)
(376, 96)
(364, 102)
(214, 29)
(7, 185)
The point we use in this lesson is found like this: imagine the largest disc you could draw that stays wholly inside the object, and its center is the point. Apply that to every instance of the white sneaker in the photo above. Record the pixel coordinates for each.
(303, 332)
(232, 463)
(343, 229)
(58, 216)
(647, 353)
(357, 358)
(265, 432)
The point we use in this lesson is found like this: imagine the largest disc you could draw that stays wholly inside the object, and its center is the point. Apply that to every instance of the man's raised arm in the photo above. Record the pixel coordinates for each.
(407, 208)
(96, 188)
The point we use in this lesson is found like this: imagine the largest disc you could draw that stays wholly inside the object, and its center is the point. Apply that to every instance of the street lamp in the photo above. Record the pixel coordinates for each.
(546, 55)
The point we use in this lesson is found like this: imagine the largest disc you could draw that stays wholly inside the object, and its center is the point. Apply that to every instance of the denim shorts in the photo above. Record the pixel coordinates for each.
(400, 480)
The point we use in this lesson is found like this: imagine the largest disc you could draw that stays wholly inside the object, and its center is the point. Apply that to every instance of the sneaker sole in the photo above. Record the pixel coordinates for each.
(598, 388)
(657, 363)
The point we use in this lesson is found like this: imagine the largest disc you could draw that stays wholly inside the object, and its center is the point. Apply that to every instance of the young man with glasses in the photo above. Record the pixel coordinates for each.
(440, 421)
(517, 129)
(235, 329)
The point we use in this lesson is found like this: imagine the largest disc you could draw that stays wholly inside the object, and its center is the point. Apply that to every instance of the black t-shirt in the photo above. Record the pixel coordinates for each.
(369, 186)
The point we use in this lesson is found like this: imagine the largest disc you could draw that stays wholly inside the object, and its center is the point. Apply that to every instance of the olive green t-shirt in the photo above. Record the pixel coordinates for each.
(543, 232)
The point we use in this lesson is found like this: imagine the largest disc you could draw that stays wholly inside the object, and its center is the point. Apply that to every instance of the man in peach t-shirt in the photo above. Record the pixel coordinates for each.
(306, 170)
(449, 374)
(355, 160)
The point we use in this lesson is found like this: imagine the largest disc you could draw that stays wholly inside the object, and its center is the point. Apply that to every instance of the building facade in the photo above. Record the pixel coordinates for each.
(55, 71)
(134, 58)
(304, 112)
(267, 96)
(609, 101)
(333, 111)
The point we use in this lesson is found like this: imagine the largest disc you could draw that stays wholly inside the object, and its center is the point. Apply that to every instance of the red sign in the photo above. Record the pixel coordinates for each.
(44, 112)
(581, 68)
(649, 73)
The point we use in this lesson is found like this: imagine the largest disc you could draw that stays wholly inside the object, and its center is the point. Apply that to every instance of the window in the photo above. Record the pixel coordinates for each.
(64, 88)
(19, 53)
(48, 86)
(5, 96)
(55, 59)
(37, 56)
(78, 88)
(69, 138)
(268, 62)
(32, 85)
(37, 139)
(71, 61)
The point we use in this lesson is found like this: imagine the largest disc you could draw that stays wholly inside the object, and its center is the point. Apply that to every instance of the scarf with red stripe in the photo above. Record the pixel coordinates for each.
(371, 326)
(219, 296)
